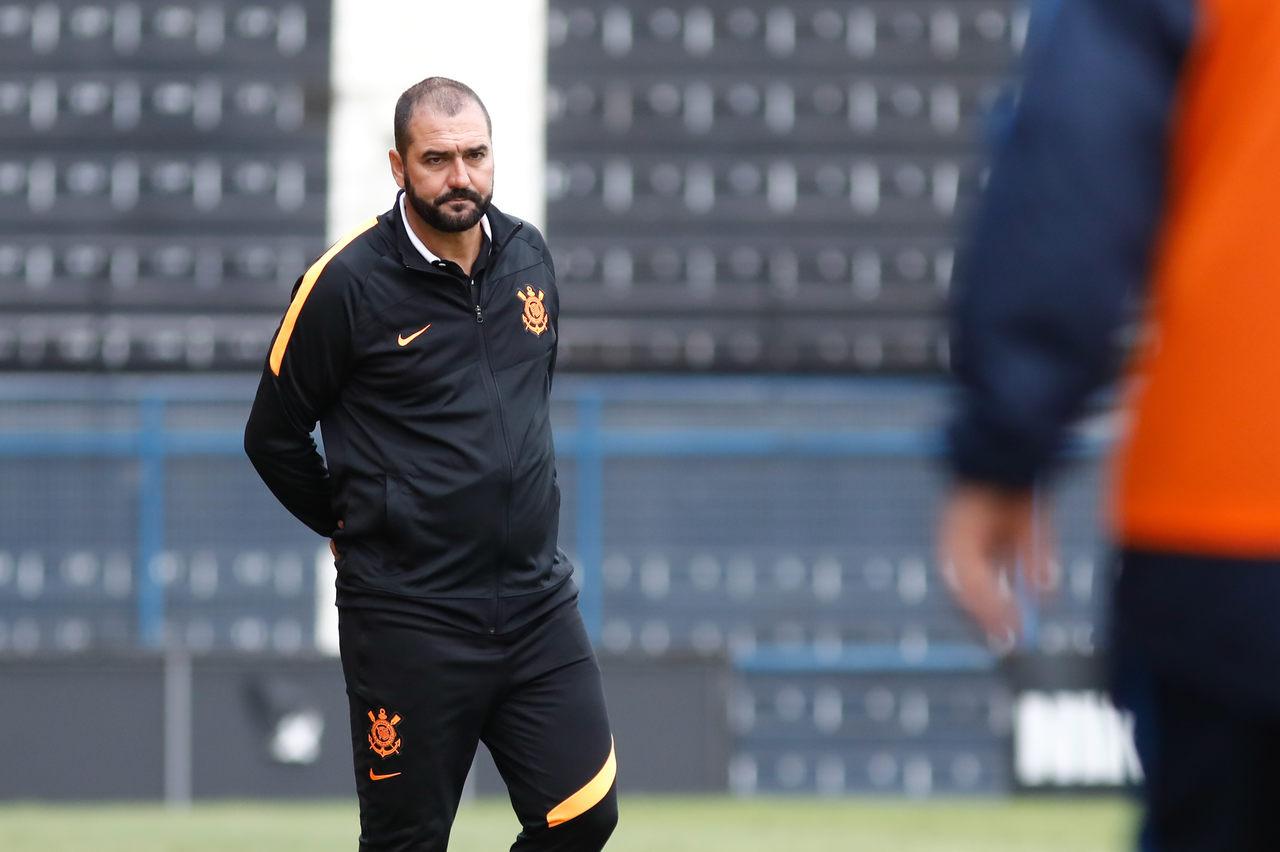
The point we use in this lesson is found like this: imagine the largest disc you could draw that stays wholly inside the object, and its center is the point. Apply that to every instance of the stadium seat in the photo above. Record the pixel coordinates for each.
(904, 33)
(902, 109)
(819, 602)
(206, 154)
(838, 141)
(172, 107)
(253, 601)
(207, 272)
(627, 274)
(924, 190)
(134, 341)
(886, 732)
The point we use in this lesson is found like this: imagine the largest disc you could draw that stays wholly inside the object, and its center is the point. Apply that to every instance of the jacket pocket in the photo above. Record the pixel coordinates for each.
(439, 544)
(362, 506)
(420, 531)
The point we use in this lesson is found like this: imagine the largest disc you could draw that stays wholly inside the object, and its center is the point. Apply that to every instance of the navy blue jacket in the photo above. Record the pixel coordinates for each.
(1062, 242)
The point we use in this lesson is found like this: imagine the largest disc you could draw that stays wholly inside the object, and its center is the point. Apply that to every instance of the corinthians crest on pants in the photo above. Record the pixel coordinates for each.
(382, 733)
(535, 312)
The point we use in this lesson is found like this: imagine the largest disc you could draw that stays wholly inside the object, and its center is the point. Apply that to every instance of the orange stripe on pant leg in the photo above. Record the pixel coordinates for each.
(304, 290)
(586, 798)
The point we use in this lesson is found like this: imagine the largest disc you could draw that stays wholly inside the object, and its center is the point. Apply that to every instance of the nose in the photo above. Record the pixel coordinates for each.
(459, 177)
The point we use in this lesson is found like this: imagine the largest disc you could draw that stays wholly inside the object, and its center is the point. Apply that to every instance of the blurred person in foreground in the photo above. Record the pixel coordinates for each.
(1141, 167)
(424, 343)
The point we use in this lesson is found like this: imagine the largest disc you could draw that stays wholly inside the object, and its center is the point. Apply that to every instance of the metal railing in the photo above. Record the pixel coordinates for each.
(589, 444)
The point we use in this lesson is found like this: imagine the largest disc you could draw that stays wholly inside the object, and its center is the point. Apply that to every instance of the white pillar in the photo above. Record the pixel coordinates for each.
(497, 47)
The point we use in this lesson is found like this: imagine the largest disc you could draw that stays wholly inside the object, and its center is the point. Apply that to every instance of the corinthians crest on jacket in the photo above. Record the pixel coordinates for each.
(535, 312)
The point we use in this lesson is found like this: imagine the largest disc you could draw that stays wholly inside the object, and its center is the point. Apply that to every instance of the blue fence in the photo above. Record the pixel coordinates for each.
(802, 438)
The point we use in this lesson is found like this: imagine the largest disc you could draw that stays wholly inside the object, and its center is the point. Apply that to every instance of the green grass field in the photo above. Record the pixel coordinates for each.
(646, 825)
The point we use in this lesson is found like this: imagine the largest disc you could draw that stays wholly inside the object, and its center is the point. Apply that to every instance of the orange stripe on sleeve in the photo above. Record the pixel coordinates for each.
(304, 290)
(586, 798)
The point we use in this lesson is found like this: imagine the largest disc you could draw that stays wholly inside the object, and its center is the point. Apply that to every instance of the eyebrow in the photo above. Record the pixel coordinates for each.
(478, 149)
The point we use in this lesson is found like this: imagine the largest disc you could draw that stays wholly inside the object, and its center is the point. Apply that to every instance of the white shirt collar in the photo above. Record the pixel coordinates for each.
(420, 246)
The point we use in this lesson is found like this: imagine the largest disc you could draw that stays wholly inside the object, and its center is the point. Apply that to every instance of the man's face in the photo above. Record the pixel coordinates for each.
(447, 169)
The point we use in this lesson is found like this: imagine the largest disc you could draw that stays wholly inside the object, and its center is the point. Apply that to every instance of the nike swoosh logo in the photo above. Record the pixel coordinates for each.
(375, 777)
(405, 341)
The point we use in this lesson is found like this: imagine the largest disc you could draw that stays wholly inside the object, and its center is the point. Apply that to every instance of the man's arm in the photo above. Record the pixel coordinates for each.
(1062, 241)
(303, 375)
(1060, 250)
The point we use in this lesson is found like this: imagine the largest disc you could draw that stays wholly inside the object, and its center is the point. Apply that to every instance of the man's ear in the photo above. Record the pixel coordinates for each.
(397, 167)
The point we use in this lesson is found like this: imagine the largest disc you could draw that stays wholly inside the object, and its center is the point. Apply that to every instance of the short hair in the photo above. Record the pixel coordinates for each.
(438, 94)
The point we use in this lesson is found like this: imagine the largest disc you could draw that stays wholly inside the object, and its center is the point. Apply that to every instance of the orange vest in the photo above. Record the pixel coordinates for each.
(1199, 468)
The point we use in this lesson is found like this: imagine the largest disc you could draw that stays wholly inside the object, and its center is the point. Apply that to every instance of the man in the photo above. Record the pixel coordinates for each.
(1144, 151)
(424, 343)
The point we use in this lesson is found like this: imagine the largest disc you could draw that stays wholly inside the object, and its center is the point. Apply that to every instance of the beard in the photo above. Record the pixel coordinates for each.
(438, 217)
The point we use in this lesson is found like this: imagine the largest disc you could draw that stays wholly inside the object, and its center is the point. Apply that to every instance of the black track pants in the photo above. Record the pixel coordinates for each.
(422, 697)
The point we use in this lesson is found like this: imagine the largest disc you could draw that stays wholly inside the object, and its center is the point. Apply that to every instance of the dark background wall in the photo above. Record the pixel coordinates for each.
(93, 727)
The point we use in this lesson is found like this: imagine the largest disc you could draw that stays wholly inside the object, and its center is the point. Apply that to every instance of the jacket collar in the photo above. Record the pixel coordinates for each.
(501, 226)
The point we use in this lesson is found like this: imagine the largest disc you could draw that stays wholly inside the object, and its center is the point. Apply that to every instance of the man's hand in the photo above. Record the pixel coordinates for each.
(985, 533)
(333, 545)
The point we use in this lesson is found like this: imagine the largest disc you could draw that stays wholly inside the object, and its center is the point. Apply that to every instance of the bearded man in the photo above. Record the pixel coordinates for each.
(424, 344)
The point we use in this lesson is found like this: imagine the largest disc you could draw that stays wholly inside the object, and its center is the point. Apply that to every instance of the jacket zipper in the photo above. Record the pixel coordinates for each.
(492, 383)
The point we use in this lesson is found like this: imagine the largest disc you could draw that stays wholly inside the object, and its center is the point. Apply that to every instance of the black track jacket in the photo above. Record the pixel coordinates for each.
(433, 395)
